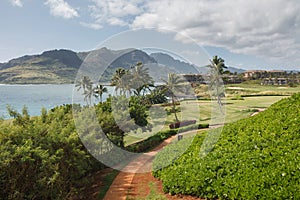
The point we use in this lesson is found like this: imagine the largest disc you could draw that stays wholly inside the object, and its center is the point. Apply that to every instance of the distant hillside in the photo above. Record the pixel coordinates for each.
(181, 67)
(175, 65)
(56, 66)
(104, 62)
(61, 66)
(237, 70)
(205, 70)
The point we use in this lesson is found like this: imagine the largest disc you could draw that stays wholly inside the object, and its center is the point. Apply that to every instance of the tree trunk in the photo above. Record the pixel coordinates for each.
(174, 108)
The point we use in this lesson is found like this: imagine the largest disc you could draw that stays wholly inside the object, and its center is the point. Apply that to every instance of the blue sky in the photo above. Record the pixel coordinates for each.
(247, 34)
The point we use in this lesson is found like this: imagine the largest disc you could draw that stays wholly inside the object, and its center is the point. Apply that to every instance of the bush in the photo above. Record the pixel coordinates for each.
(292, 84)
(171, 110)
(43, 157)
(181, 124)
(193, 127)
(152, 141)
(237, 97)
(254, 158)
(170, 104)
(156, 139)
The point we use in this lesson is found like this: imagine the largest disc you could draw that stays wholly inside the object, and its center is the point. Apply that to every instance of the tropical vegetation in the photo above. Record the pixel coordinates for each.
(45, 157)
(42, 157)
(255, 158)
(174, 85)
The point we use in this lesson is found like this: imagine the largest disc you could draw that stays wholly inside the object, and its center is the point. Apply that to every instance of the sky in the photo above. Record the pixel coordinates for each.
(256, 34)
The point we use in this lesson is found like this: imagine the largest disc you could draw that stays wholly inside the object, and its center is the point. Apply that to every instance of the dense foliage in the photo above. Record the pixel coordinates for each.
(42, 157)
(159, 137)
(182, 123)
(255, 158)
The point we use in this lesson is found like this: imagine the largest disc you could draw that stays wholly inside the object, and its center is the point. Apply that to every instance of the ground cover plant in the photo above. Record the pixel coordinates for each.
(255, 158)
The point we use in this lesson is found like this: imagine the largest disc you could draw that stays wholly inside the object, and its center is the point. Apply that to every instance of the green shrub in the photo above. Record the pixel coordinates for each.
(156, 139)
(43, 157)
(254, 158)
(170, 110)
(182, 124)
(237, 97)
(170, 104)
(152, 141)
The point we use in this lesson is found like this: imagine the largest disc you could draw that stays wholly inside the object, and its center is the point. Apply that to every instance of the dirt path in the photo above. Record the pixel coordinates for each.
(122, 186)
(131, 185)
(259, 110)
(136, 185)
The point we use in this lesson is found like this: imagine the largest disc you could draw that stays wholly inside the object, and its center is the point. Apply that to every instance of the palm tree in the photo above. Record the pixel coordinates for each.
(120, 80)
(141, 80)
(219, 64)
(173, 85)
(217, 69)
(84, 83)
(99, 90)
(88, 93)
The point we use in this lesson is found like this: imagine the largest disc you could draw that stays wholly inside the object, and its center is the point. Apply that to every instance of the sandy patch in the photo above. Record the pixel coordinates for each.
(235, 88)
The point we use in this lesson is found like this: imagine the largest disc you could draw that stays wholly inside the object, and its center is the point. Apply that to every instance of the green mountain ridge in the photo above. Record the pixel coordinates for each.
(176, 65)
(55, 66)
(62, 66)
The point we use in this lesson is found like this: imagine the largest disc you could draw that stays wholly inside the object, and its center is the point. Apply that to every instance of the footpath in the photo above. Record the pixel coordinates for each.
(122, 186)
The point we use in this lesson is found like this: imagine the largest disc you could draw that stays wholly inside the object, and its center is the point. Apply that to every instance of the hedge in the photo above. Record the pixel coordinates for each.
(182, 123)
(156, 139)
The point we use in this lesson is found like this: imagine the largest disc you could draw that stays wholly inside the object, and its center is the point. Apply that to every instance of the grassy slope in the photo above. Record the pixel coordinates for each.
(235, 110)
(255, 158)
(257, 89)
(38, 74)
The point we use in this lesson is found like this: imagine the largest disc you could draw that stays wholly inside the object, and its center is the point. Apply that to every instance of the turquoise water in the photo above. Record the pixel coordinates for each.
(35, 97)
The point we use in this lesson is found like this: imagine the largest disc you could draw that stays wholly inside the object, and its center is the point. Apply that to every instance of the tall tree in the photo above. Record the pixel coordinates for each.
(141, 79)
(219, 64)
(99, 90)
(121, 80)
(217, 69)
(88, 93)
(173, 85)
(86, 85)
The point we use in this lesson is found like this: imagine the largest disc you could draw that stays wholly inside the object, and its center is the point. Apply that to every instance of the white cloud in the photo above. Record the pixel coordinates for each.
(270, 29)
(115, 12)
(60, 8)
(258, 27)
(91, 25)
(17, 3)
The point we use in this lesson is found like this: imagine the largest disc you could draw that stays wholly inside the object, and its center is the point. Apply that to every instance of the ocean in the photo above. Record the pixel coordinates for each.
(36, 97)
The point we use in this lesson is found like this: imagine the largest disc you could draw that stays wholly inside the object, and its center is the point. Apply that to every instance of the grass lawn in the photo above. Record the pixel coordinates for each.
(256, 89)
(201, 110)
(260, 96)
(238, 109)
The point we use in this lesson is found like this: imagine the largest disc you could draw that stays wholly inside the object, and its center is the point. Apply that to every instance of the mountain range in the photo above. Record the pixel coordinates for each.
(62, 66)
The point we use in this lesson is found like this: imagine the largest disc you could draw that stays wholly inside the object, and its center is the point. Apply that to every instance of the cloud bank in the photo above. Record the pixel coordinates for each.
(60, 8)
(263, 28)
(17, 3)
(259, 27)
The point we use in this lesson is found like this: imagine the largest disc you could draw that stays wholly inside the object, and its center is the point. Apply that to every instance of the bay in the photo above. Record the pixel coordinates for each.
(36, 97)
